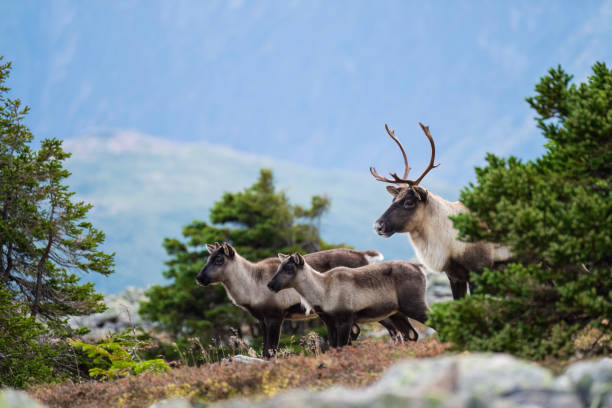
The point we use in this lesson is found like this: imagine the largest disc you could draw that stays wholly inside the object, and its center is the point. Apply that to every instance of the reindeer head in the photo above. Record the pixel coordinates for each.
(409, 199)
(287, 271)
(219, 259)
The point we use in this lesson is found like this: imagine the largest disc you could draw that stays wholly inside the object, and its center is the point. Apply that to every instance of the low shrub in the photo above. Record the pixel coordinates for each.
(118, 356)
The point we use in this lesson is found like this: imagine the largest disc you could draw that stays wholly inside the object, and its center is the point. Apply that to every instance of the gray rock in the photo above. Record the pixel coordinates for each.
(172, 403)
(122, 313)
(438, 287)
(476, 380)
(591, 380)
(469, 380)
(474, 373)
(10, 398)
(241, 358)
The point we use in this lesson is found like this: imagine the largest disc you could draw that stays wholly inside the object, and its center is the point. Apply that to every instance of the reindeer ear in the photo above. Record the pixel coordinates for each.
(210, 248)
(297, 259)
(282, 257)
(394, 191)
(420, 193)
(228, 250)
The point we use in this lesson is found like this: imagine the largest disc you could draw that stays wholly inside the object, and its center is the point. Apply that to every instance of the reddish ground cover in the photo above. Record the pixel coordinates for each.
(353, 366)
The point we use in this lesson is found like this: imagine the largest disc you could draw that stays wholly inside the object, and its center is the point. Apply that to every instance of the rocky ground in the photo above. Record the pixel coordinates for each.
(122, 313)
(469, 380)
(465, 380)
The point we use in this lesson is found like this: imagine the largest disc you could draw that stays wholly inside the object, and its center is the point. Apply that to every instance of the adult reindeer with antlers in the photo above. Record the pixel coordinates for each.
(425, 217)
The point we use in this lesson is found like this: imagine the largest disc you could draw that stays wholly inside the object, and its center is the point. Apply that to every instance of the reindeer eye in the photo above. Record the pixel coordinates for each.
(218, 260)
(409, 203)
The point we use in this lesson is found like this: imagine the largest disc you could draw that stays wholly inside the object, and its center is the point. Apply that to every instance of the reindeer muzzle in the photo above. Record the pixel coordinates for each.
(274, 286)
(202, 280)
(380, 229)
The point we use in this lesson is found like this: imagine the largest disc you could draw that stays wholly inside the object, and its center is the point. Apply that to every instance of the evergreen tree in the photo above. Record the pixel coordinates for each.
(44, 235)
(24, 358)
(556, 215)
(44, 240)
(259, 222)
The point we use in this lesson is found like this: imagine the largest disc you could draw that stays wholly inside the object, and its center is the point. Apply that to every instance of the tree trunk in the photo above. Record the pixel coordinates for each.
(6, 269)
(9, 263)
(41, 267)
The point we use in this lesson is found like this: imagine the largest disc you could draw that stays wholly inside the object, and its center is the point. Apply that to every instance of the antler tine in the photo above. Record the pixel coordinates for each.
(379, 177)
(433, 154)
(406, 166)
(396, 179)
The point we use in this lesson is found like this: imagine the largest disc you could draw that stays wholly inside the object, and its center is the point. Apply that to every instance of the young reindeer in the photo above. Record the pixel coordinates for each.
(344, 296)
(245, 282)
(425, 217)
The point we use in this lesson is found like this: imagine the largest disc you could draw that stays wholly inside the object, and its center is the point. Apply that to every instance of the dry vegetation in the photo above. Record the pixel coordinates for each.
(352, 366)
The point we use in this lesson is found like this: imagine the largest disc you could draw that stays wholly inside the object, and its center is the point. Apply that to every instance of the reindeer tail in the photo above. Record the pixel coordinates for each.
(373, 256)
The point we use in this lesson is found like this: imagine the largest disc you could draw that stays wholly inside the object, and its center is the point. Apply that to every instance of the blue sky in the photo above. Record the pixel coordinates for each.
(304, 87)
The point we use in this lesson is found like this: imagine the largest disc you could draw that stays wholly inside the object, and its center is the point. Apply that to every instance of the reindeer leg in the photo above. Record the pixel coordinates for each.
(333, 335)
(472, 286)
(330, 323)
(417, 311)
(343, 326)
(273, 324)
(412, 334)
(265, 350)
(459, 288)
(355, 330)
(412, 304)
(390, 326)
(408, 332)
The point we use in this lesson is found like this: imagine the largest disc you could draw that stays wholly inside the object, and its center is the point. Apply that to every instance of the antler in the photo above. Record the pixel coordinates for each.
(404, 180)
(396, 178)
(431, 164)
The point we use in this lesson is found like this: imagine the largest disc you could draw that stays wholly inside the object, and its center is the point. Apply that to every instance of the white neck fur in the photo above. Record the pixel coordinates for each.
(436, 239)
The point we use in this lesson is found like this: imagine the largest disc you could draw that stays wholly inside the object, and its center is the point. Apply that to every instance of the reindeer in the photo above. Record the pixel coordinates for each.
(245, 282)
(425, 217)
(343, 296)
